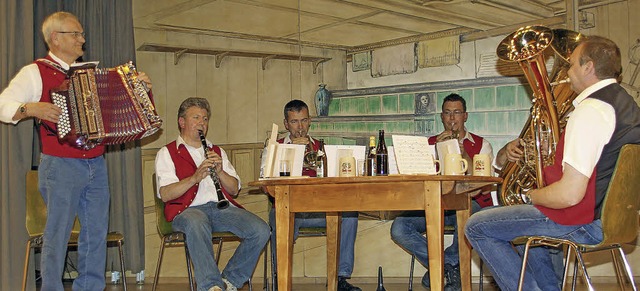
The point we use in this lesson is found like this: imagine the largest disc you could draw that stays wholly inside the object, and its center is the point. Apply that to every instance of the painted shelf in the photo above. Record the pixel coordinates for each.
(220, 54)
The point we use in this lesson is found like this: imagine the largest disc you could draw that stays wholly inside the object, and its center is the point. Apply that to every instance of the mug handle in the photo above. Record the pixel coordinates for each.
(438, 167)
(465, 166)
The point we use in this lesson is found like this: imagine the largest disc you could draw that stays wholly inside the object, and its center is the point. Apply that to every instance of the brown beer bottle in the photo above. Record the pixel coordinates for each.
(321, 163)
(382, 157)
(371, 157)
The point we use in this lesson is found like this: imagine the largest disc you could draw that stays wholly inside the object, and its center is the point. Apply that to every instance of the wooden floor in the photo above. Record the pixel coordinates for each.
(314, 287)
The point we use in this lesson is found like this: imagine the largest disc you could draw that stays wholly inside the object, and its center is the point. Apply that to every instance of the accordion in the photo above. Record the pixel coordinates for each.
(104, 107)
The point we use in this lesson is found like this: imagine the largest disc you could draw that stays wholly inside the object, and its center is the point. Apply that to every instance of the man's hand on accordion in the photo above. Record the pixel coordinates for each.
(144, 78)
(43, 110)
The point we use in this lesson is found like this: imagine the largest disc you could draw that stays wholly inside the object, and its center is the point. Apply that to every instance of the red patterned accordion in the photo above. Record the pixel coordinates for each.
(105, 106)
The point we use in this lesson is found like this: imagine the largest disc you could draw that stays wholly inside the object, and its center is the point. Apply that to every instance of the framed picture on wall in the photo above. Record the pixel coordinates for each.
(361, 62)
(425, 103)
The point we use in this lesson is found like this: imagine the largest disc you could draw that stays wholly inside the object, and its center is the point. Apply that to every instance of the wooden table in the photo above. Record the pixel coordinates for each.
(430, 193)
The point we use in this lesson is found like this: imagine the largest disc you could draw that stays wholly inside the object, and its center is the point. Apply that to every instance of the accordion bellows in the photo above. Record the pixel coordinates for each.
(104, 107)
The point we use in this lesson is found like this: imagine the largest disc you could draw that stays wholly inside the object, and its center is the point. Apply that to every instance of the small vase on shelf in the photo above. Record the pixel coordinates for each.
(322, 99)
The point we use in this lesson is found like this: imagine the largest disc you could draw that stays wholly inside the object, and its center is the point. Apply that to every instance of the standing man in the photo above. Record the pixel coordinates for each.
(186, 186)
(604, 119)
(297, 122)
(72, 181)
(407, 230)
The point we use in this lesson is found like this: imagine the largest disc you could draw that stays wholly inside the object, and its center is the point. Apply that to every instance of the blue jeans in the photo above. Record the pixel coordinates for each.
(73, 187)
(348, 231)
(490, 232)
(407, 231)
(199, 222)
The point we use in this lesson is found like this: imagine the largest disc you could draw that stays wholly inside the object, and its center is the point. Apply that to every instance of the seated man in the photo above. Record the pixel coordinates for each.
(604, 119)
(186, 185)
(407, 230)
(297, 122)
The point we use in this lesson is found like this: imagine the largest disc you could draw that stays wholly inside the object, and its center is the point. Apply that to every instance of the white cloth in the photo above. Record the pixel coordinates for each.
(25, 87)
(589, 129)
(166, 172)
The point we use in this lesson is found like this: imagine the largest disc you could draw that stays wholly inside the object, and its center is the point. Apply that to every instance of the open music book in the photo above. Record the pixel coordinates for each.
(413, 154)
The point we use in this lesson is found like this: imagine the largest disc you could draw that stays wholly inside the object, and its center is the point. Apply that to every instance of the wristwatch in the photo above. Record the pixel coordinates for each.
(23, 108)
(528, 197)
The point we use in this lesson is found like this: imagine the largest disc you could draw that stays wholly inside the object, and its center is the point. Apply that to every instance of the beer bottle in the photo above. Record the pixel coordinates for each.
(382, 157)
(371, 157)
(321, 163)
(380, 284)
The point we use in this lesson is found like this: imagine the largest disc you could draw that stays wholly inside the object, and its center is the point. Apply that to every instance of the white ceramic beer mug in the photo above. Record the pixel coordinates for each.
(454, 164)
(481, 165)
(347, 167)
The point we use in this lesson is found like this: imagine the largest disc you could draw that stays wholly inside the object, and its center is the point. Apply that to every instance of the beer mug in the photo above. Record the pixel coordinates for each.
(347, 167)
(481, 165)
(454, 164)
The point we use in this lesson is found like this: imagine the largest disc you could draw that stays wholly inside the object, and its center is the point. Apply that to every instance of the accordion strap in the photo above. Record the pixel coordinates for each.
(52, 64)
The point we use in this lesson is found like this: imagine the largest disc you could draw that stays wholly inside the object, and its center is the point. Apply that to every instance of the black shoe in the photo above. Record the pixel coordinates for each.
(452, 278)
(343, 285)
(426, 282)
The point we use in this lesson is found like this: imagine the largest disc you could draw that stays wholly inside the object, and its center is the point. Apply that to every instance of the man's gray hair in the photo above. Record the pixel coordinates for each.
(54, 22)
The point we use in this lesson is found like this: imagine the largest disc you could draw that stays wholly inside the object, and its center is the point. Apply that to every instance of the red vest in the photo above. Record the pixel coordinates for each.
(581, 213)
(53, 77)
(472, 148)
(185, 167)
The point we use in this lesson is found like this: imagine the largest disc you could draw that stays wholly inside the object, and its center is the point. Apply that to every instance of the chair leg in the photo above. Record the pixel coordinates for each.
(575, 271)
(523, 269)
(26, 266)
(274, 276)
(413, 261)
(627, 269)
(219, 251)
(265, 282)
(189, 268)
(584, 270)
(567, 260)
(122, 268)
(481, 280)
(158, 264)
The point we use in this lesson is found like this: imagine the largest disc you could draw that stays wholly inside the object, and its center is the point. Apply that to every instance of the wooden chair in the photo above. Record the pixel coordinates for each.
(172, 238)
(619, 223)
(36, 218)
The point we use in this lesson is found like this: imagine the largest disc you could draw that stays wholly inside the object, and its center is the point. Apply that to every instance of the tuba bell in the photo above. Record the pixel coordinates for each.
(552, 103)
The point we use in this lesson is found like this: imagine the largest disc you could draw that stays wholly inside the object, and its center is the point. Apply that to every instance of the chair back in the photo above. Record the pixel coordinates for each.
(36, 209)
(164, 227)
(621, 205)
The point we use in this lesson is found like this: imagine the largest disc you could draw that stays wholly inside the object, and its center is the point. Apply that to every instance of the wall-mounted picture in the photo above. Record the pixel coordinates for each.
(425, 103)
(361, 61)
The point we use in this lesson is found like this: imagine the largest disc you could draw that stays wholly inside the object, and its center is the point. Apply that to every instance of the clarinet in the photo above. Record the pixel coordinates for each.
(222, 202)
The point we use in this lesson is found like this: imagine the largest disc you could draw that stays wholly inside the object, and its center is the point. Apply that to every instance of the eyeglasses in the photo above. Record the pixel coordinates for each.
(452, 113)
(75, 34)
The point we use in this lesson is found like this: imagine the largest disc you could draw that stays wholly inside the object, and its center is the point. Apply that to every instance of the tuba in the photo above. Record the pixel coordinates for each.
(551, 104)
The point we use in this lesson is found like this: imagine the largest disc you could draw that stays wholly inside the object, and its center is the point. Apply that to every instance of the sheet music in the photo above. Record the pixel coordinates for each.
(447, 147)
(413, 154)
(272, 145)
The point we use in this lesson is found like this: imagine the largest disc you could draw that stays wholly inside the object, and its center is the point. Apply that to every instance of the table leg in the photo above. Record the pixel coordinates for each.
(435, 233)
(284, 237)
(333, 249)
(464, 249)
